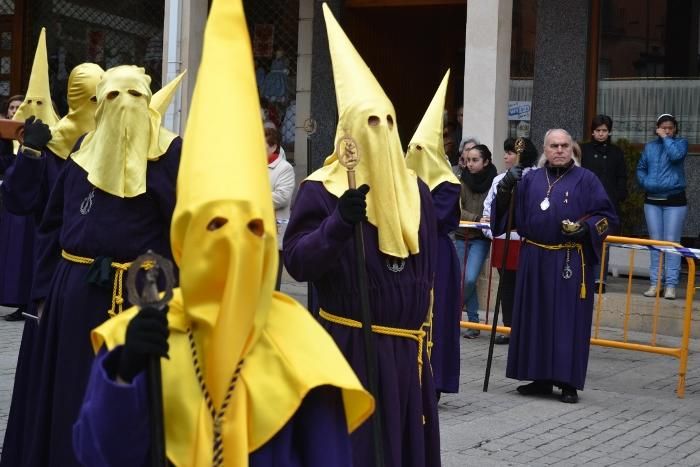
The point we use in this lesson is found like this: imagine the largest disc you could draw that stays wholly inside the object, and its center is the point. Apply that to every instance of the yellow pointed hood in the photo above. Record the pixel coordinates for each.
(223, 237)
(366, 115)
(37, 100)
(164, 96)
(82, 103)
(426, 151)
(127, 134)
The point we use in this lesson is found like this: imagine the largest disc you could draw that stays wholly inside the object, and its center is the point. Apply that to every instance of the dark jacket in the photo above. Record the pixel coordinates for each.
(608, 163)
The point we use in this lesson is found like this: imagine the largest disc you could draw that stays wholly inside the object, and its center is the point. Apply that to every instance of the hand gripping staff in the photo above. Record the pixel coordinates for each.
(349, 157)
(519, 148)
(153, 264)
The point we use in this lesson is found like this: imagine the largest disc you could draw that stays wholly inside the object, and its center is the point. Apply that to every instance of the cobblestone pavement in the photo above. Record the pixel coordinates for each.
(628, 415)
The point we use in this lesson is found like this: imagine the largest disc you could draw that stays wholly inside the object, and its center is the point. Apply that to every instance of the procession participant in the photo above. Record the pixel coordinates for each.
(251, 378)
(113, 200)
(563, 214)
(25, 191)
(426, 156)
(17, 232)
(400, 241)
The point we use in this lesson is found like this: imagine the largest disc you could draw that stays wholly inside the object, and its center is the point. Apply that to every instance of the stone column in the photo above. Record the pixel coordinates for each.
(303, 94)
(183, 38)
(487, 72)
(559, 88)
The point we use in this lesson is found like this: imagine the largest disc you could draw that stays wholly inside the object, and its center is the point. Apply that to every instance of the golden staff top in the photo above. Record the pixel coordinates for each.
(519, 147)
(348, 157)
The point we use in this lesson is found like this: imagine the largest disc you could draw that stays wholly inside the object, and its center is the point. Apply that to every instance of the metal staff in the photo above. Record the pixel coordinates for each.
(519, 148)
(349, 157)
(150, 297)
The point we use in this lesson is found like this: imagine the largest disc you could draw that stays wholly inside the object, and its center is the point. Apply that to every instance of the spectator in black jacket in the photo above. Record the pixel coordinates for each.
(607, 161)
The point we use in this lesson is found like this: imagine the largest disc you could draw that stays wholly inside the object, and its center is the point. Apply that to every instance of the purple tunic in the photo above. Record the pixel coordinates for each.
(16, 244)
(25, 191)
(319, 247)
(446, 309)
(114, 416)
(90, 223)
(551, 327)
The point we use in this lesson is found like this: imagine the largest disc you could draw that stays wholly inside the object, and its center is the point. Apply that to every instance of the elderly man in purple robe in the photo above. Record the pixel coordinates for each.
(563, 214)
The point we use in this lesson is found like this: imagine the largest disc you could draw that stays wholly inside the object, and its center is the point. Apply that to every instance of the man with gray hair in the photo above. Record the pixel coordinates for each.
(563, 214)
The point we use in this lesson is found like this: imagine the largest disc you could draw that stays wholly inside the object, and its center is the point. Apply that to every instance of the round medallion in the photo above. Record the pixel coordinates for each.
(395, 264)
(567, 272)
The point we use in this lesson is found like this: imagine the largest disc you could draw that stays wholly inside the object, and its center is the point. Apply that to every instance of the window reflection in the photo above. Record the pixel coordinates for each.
(648, 65)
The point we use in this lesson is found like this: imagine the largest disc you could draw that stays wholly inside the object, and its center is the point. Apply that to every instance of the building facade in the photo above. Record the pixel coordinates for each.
(519, 67)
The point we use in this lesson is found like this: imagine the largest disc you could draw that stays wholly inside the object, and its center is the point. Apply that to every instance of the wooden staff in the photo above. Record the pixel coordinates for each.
(150, 297)
(519, 148)
(349, 157)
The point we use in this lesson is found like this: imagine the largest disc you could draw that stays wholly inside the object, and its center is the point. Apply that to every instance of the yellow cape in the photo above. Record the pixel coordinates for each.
(292, 356)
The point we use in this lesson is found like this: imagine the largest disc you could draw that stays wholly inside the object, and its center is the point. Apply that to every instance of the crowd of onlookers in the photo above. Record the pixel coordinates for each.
(659, 174)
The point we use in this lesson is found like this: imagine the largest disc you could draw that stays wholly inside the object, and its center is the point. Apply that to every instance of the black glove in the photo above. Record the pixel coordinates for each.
(579, 234)
(511, 178)
(146, 337)
(36, 133)
(352, 205)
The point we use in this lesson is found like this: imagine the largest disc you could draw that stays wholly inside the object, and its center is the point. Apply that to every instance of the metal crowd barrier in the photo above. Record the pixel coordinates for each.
(663, 247)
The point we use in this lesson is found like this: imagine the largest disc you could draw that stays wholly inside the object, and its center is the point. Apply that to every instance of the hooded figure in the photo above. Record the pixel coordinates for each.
(399, 233)
(251, 377)
(17, 231)
(112, 201)
(128, 134)
(25, 191)
(37, 100)
(426, 156)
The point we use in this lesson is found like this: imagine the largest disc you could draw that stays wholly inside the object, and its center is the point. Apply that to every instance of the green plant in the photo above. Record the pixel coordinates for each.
(632, 215)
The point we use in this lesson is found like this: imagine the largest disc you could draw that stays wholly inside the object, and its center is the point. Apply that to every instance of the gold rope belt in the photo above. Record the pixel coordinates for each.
(417, 335)
(117, 289)
(568, 246)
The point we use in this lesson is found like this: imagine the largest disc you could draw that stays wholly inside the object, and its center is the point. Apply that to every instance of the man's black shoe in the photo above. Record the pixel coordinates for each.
(568, 395)
(541, 388)
(15, 316)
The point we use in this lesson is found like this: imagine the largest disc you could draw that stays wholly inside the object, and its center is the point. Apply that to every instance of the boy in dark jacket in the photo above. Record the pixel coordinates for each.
(607, 162)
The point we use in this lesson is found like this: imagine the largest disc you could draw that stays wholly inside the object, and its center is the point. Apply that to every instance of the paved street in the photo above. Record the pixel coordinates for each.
(627, 416)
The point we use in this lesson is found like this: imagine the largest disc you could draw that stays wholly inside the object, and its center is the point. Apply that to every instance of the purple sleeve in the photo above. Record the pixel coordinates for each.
(48, 251)
(316, 436)
(499, 217)
(316, 234)
(602, 219)
(446, 201)
(112, 427)
(162, 179)
(22, 184)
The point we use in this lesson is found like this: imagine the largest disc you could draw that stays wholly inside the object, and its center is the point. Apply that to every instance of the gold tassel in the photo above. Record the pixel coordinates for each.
(583, 290)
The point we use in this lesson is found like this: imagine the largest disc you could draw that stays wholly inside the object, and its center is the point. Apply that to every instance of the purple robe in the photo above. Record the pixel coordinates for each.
(551, 329)
(446, 309)
(87, 222)
(319, 247)
(25, 191)
(16, 244)
(113, 426)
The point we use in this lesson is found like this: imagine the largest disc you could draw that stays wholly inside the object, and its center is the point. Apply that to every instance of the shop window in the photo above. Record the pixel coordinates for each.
(109, 33)
(273, 26)
(522, 67)
(648, 64)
